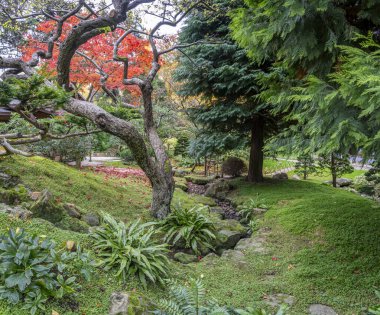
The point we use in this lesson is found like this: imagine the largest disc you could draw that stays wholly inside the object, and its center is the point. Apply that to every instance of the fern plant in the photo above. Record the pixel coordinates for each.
(191, 300)
(131, 250)
(188, 300)
(190, 228)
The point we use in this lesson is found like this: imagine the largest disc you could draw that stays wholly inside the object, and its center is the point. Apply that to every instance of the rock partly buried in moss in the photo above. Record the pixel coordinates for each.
(126, 303)
(15, 195)
(8, 181)
(182, 186)
(280, 176)
(184, 258)
(47, 208)
(18, 212)
(235, 256)
(218, 189)
(72, 224)
(231, 225)
(198, 180)
(73, 210)
(91, 219)
(210, 259)
(227, 239)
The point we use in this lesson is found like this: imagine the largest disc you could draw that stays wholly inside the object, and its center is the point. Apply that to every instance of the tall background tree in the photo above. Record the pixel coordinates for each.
(226, 80)
(322, 80)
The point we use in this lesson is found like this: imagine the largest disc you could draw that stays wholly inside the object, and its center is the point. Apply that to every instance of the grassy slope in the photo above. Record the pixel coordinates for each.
(325, 239)
(327, 244)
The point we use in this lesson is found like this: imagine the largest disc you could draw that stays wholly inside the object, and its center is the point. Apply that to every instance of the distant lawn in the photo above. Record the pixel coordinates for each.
(325, 176)
(324, 246)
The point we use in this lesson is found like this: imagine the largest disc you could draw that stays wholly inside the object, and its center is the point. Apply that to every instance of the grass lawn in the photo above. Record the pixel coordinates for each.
(323, 247)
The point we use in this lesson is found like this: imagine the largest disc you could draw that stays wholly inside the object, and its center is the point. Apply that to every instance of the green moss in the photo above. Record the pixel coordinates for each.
(199, 180)
(15, 195)
(73, 224)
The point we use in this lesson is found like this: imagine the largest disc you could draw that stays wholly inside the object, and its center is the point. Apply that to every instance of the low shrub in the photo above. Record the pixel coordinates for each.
(189, 228)
(233, 166)
(131, 250)
(33, 270)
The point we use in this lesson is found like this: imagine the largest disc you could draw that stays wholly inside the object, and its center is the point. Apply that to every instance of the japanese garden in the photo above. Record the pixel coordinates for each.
(190, 157)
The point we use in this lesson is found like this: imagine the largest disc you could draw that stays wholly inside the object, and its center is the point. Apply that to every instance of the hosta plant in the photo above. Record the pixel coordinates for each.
(189, 228)
(131, 250)
(32, 270)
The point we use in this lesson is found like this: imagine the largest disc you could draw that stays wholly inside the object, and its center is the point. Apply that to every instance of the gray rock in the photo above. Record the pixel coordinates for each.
(16, 211)
(227, 239)
(184, 258)
(217, 189)
(125, 303)
(275, 300)
(343, 182)
(253, 244)
(320, 309)
(8, 181)
(180, 173)
(47, 208)
(235, 256)
(210, 259)
(259, 210)
(280, 176)
(91, 219)
(72, 210)
(217, 210)
(296, 177)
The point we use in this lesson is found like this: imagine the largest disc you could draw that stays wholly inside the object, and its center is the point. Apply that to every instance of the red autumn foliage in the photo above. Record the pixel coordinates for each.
(100, 49)
(119, 172)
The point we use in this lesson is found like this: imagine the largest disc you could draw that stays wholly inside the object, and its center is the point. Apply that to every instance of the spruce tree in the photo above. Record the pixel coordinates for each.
(226, 79)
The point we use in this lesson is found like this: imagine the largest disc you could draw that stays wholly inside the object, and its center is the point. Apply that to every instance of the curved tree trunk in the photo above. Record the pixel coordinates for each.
(256, 158)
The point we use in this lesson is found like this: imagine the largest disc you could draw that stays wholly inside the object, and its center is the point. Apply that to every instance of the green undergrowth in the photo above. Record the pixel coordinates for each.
(323, 246)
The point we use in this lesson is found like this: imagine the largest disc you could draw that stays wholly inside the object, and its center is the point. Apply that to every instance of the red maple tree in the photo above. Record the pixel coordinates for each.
(100, 50)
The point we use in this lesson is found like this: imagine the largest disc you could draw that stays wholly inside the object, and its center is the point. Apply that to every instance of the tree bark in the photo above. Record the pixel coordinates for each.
(333, 170)
(256, 158)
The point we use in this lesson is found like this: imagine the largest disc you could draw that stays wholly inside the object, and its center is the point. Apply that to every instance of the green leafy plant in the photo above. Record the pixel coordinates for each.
(33, 270)
(375, 310)
(246, 210)
(252, 225)
(191, 299)
(189, 228)
(131, 250)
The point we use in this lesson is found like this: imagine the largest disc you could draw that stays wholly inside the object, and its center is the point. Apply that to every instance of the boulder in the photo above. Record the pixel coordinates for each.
(180, 173)
(235, 256)
(320, 309)
(91, 219)
(343, 182)
(16, 211)
(8, 181)
(14, 195)
(184, 258)
(199, 180)
(72, 224)
(210, 259)
(126, 303)
(217, 210)
(182, 186)
(47, 208)
(280, 176)
(231, 225)
(276, 300)
(253, 244)
(72, 210)
(227, 239)
(217, 189)
(296, 177)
